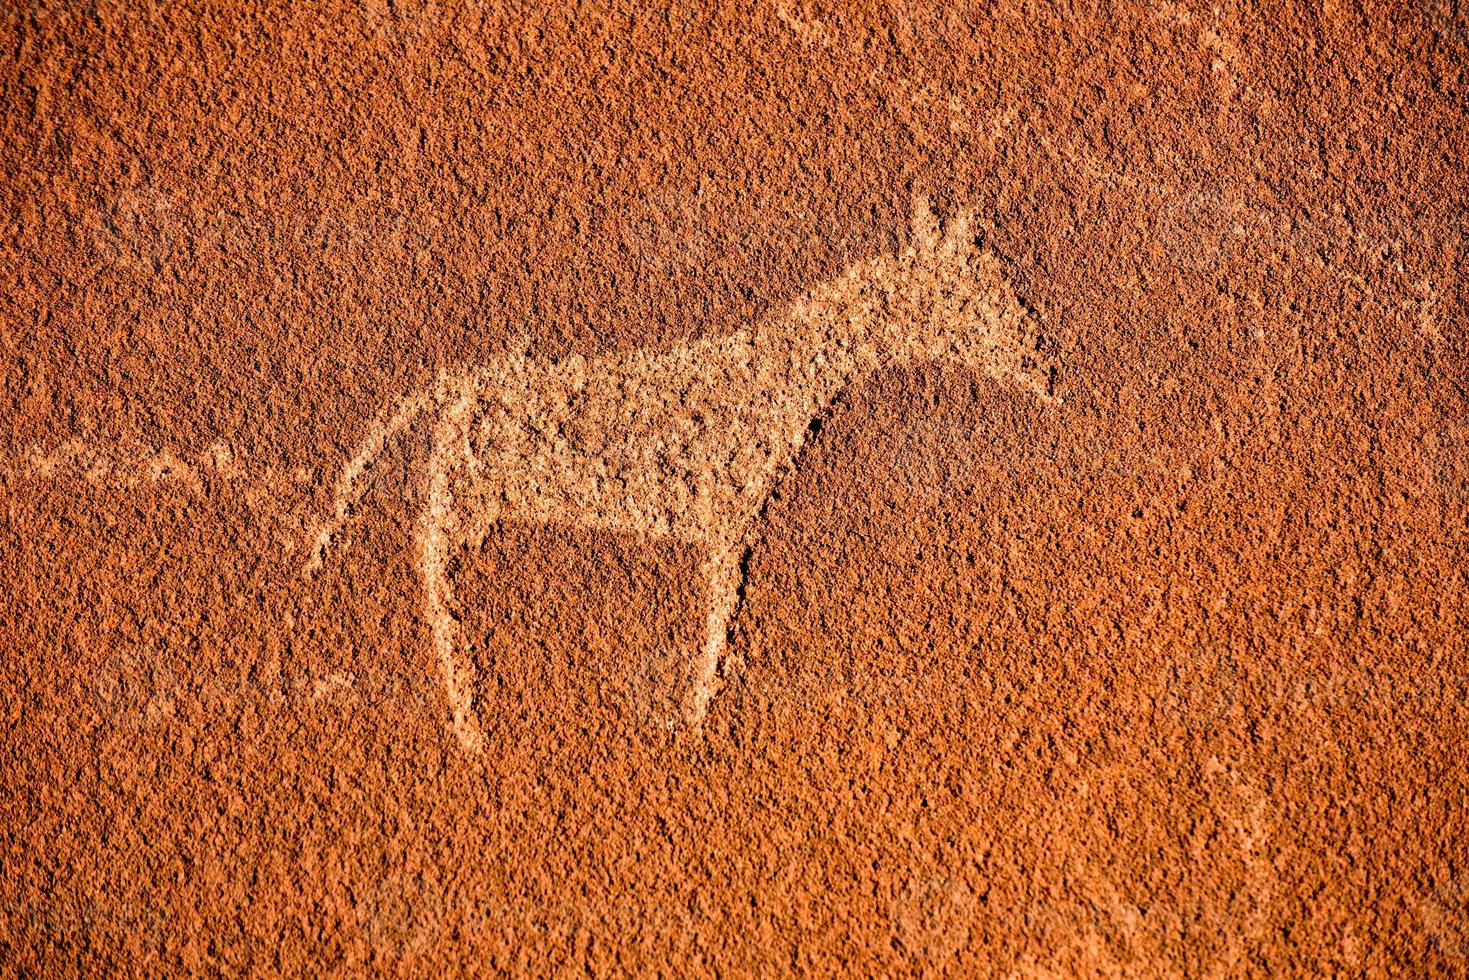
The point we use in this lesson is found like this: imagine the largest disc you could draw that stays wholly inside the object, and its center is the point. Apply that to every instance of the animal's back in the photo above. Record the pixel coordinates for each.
(675, 442)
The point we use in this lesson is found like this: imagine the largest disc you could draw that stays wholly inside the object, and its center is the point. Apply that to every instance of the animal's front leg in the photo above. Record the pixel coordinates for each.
(722, 578)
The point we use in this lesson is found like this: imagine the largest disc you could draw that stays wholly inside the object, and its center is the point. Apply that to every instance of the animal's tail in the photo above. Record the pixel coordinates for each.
(349, 487)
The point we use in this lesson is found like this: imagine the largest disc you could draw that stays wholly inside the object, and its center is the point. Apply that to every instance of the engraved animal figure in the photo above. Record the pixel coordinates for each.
(686, 442)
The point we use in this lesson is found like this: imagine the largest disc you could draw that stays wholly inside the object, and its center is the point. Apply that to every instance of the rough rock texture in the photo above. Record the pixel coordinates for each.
(1168, 674)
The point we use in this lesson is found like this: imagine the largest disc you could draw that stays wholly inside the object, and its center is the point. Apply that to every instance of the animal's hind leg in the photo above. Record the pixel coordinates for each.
(722, 575)
(434, 541)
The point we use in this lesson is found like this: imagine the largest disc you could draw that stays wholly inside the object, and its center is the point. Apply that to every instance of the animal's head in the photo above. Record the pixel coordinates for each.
(945, 297)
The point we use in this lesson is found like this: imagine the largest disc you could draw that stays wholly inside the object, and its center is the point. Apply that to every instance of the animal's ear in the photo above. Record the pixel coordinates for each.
(925, 222)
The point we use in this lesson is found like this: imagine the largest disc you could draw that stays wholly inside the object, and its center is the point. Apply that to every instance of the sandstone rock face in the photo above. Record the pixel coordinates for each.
(812, 488)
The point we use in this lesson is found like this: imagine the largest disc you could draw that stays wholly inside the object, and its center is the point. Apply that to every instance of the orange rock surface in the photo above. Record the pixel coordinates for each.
(1129, 639)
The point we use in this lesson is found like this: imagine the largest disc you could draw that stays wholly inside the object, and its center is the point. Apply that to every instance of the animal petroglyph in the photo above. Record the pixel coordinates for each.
(686, 442)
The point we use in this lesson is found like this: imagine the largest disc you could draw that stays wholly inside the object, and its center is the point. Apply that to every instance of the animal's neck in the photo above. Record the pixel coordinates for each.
(829, 337)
